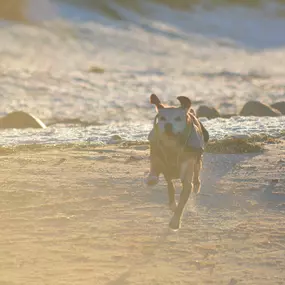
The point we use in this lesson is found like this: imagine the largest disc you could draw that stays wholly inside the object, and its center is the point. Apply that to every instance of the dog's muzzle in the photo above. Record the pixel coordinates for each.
(168, 128)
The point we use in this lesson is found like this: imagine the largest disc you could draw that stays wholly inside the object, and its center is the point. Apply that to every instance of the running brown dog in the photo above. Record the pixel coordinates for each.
(176, 151)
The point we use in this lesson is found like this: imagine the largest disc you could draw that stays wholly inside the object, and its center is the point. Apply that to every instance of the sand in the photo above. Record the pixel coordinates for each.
(82, 215)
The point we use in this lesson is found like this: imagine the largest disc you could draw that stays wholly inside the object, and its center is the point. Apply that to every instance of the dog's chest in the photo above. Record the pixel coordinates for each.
(172, 159)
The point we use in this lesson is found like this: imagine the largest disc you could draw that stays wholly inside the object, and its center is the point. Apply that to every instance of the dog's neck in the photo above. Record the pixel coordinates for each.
(170, 142)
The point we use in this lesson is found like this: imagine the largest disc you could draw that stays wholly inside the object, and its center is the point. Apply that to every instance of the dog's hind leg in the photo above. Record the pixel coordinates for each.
(196, 177)
(187, 179)
(155, 166)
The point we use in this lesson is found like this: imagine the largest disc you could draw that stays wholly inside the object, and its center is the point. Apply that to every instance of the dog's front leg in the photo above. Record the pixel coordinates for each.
(187, 172)
(171, 194)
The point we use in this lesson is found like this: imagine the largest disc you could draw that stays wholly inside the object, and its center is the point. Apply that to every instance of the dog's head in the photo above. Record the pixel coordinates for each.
(172, 121)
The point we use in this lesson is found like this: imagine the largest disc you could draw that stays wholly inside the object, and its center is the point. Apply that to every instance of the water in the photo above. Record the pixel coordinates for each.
(218, 129)
(221, 56)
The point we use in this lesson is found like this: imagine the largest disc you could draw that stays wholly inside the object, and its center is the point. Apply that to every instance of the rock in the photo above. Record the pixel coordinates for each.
(134, 158)
(96, 69)
(20, 120)
(208, 112)
(280, 106)
(115, 139)
(256, 108)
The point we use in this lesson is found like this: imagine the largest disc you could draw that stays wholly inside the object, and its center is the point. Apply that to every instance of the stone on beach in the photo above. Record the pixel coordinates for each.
(115, 139)
(20, 120)
(259, 109)
(280, 106)
(208, 112)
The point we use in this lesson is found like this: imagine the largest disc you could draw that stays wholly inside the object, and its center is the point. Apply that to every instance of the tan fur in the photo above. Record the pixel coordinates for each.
(187, 169)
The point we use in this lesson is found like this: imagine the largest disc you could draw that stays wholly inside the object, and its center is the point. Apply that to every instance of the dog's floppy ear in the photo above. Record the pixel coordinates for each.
(154, 100)
(185, 102)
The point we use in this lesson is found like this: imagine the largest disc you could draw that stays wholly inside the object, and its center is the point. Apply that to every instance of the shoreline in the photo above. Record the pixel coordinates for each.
(236, 144)
(244, 128)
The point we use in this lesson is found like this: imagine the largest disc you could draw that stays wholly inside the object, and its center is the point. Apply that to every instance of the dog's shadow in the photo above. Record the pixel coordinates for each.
(216, 167)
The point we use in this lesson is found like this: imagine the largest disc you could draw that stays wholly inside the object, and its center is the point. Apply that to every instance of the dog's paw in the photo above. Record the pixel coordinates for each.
(175, 223)
(151, 180)
(197, 188)
(172, 206)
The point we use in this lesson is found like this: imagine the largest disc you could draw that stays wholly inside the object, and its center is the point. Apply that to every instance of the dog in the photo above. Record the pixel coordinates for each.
(177, 143)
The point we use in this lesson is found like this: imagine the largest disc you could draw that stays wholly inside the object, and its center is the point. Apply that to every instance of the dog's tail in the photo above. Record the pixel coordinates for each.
(205, 133)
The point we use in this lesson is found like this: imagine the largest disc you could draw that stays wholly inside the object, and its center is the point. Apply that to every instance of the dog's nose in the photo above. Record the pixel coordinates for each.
(168, 127)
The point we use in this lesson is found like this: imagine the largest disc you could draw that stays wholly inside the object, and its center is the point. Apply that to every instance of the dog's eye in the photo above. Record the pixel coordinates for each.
(178, 119)
(162, 118)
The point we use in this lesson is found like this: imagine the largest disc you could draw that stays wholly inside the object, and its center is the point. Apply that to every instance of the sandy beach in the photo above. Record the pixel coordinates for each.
(82, 215)
(73, 208)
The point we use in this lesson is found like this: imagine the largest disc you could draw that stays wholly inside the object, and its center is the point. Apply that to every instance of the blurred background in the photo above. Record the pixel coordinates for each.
(238, 20)
(97, 61)
(25, 10)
